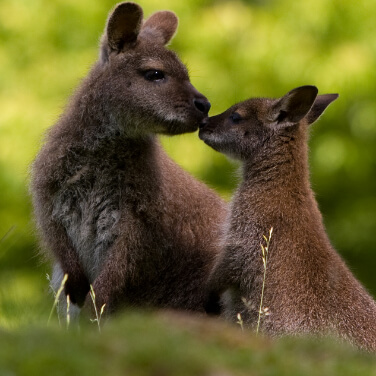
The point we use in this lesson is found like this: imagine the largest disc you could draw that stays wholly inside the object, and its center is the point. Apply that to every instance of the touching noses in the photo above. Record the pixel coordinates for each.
(203, 105)
(204, 123)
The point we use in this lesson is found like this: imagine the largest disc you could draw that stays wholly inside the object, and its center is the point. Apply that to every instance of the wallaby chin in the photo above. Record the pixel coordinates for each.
(292, 281)
(178, 125)
(113, 210)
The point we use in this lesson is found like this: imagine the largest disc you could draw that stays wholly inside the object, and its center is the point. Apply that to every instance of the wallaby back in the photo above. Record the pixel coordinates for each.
(307, 288)
(112, 208)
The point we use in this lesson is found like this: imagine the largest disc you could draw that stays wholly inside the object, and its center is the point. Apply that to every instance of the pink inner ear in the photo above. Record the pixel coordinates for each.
(160, 26)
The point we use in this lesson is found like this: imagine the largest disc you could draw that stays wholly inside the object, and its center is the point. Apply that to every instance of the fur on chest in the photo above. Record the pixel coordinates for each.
(95, 192)
(88, 206)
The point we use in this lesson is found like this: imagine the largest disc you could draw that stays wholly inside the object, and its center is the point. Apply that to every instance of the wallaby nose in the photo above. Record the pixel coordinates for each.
(203, 123)
(202, 104)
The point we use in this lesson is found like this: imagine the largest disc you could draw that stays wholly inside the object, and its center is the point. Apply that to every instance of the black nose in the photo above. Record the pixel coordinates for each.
(204, 123)
(203, 105)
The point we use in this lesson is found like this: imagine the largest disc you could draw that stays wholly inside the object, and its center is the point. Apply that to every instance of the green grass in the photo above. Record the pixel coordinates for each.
(151, 343)
(165, 343)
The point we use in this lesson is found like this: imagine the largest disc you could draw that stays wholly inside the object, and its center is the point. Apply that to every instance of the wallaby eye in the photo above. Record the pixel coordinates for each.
(235, 118)
(154, 75)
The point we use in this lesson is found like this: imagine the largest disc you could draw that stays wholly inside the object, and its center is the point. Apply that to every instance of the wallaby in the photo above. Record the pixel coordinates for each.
(112, 208)
(308, 288)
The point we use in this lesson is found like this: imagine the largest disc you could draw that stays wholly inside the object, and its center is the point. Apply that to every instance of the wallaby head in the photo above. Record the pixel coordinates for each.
(143, 85)
(248, 128)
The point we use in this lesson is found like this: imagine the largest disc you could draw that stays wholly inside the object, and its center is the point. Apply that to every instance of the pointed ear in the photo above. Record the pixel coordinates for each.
(160, 26)
(294, 106)
(123, 27)
(321, 103)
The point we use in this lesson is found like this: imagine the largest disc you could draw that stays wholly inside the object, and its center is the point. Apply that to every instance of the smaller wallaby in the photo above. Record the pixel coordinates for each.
(308, 288)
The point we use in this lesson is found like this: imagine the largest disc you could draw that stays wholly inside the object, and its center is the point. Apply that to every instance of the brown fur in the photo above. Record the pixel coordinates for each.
(309, 289)
(112, 208)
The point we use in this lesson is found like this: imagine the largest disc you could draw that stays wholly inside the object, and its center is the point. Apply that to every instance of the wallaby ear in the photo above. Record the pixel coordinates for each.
(160, 26)
(321, 103)
(123, 27)
(294, 106)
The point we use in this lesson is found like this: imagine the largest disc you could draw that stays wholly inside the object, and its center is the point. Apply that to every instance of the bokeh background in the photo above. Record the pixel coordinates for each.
(234, 50)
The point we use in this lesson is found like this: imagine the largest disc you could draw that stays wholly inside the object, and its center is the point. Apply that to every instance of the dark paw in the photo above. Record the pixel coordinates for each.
(212, 304)
(77, 290)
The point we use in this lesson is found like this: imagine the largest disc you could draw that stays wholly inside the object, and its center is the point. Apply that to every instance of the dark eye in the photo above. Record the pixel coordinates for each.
(235, 118)
(154, 75)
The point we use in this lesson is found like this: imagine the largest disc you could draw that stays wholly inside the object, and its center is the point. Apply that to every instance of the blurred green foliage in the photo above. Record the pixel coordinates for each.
(234, 50)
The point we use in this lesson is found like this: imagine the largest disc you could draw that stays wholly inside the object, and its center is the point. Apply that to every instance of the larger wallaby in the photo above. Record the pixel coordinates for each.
(308, 288)
(114, 210)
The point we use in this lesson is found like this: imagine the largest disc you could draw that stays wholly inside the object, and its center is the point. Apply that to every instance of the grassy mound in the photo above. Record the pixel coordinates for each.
(165, 343)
